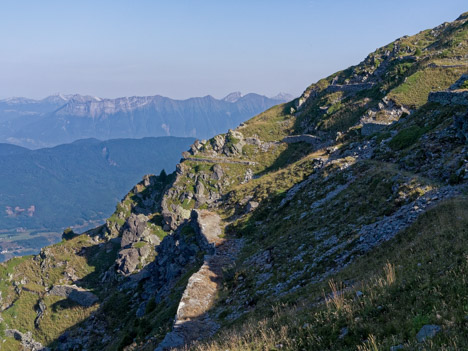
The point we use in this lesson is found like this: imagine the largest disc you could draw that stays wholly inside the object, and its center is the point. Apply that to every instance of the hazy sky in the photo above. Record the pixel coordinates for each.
(181, 49)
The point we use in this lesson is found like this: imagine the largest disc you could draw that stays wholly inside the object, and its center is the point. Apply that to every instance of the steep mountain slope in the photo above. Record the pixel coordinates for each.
(337, 221)
(75, 184)
(63, 119)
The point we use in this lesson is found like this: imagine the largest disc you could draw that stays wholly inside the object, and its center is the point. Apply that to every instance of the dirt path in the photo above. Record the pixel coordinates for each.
(193, 321)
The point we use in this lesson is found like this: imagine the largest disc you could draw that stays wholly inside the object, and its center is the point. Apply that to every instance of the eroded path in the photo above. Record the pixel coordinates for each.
(192, 321)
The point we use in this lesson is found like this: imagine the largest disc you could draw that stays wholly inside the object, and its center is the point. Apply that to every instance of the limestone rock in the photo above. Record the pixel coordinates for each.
(26, 340)
(134, 229)
(251, 206)
(217, 143)
(40, 309)
(127, 261)
(427, 332)
(234, 142)
(248, 176)
(449, 97)
(76, 294)
(217, 172)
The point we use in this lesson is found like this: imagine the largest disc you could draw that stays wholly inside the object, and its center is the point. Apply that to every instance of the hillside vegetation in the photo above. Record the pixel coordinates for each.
(337, 221)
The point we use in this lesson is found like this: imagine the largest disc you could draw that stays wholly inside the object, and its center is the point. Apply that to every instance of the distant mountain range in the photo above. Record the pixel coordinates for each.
(76, 183)
(60, 119)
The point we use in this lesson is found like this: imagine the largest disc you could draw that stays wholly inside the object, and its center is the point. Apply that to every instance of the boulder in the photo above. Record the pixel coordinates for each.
(427, 332)
(133, 230)
(217, 143)
(234, 142)
(74, 293)
(251, 206)
(127, 261)
(40, 309)
(200, 189)
(248, 176)
(217, 172)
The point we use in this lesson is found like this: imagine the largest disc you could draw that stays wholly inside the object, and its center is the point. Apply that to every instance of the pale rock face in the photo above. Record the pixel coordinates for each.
(233, 97)
(127, 261)
(217, 172)
(234, 142)
(100, 108)
(218, 143)
(134, 230)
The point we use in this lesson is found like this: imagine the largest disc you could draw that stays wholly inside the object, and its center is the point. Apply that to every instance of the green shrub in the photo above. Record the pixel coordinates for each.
(406, 138)
(150, 306)
(163, 176)
(139, 245)
(68, 234)
(127, 339)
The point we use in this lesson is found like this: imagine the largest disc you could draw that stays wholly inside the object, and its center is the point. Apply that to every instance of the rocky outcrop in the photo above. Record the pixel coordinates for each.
(135, 243)
(173, 216)
(26, 340)
(449, 97)
(74, 293)
(40, 309)
(384, 114)
(134, 230)
(234, 142)
(128, 259)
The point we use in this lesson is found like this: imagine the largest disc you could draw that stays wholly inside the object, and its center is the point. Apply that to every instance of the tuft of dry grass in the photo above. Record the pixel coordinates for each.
(389, 270)
(337, 298)
(369, 345)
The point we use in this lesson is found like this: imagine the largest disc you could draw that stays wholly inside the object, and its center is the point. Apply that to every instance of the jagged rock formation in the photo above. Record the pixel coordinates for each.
(450, 97)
